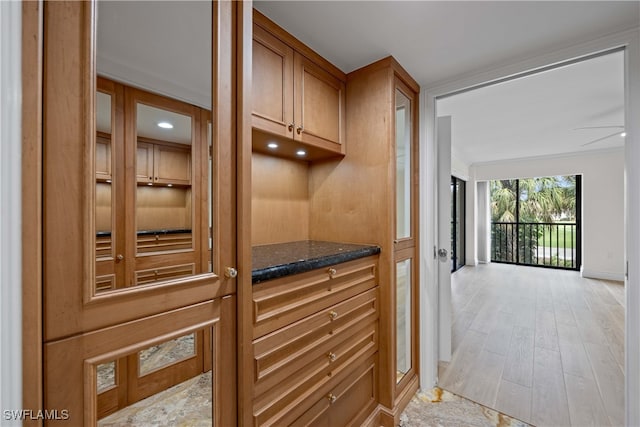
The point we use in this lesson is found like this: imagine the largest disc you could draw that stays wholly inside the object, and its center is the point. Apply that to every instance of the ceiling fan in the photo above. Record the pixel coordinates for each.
(622, 133)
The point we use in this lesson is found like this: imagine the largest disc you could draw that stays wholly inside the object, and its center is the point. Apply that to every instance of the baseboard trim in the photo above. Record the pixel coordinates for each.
(391, 418)
(602, 275)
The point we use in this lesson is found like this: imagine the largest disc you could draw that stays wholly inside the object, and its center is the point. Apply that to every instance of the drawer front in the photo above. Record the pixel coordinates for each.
(164, 242)
(302, 389)
(103, 246)
(164, 273)
(313, 339)
(346, 404)
(105, 283)
(284, 301)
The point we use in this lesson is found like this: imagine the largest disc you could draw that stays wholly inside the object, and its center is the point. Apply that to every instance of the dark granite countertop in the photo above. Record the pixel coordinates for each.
(284, 259)
(149, 232)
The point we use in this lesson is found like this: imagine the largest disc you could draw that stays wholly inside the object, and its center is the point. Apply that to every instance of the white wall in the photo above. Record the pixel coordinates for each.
(602, 202)
(10, 200)
(459, 168)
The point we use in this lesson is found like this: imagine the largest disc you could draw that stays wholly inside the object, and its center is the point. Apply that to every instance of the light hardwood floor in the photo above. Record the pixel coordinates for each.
(545, 346)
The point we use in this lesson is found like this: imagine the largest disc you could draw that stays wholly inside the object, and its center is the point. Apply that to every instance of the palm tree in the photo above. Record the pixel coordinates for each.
(539, 200)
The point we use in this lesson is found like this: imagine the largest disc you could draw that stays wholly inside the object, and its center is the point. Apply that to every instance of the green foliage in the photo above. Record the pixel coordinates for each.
(541, 199)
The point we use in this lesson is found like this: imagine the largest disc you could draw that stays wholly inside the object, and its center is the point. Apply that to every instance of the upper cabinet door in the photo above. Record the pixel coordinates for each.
(272, 84)
(319, 106)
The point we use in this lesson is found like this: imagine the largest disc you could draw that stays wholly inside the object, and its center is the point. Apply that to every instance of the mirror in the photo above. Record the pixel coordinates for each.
(403, 318)
(153, 223)
(106, 376)
(153, 201)
(105, 166)
(164, 202)
(403, 165)
(210, 191)
(166, 353)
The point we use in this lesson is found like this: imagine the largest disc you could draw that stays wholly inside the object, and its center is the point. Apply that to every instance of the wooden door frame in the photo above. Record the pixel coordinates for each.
(32, 206)
(630, 40)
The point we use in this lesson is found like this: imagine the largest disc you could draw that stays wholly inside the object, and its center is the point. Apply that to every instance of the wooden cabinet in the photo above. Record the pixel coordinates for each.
(297, 95)
(348, 403)
(163, 163)
(381, 206)
(315, 346)
(103, 157)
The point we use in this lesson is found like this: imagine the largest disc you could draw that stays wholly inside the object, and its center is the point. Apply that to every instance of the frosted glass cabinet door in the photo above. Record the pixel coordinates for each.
(403, 165)
(403, 318)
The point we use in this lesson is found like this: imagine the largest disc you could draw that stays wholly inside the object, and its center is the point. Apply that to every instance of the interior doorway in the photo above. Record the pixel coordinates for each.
(504, 166)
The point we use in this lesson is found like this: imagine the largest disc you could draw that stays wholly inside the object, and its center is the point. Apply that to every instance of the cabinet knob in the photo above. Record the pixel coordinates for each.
(333, 315)
(150, 178)
(332, 398)
(332, 356)
(120, 257)
(230, 273)
(332, 271)
(299, 130)
(290, 127)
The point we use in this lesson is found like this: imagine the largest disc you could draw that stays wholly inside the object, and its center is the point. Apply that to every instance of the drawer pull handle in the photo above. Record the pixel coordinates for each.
(332, 398)
(332, 356)
(333, 315)
(332, 272)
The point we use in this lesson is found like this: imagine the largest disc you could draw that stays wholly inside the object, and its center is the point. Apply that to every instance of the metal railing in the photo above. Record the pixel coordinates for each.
(542, 244)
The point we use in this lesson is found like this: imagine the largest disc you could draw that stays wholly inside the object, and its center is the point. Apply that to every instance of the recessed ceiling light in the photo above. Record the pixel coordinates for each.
(169, 185)
(301, 153)
(149, 183)
(272, 145)
(623, 134)
(165, 125)
(108, 181)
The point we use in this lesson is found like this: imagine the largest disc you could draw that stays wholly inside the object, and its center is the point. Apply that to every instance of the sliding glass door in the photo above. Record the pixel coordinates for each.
(458, 187)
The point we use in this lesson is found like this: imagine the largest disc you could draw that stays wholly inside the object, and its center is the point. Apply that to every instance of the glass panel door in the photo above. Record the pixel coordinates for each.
(403, 166)
(457, 223)
(405, 240)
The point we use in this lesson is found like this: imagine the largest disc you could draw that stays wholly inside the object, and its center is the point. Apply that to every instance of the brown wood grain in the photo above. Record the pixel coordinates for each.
(32, 375)
(279, 200)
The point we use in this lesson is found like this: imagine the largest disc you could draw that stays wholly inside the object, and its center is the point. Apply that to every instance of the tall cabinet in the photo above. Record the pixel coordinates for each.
(380, 204)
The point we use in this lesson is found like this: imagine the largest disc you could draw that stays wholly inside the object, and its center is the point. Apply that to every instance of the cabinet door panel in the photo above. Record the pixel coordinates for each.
(320, 102)
(103, 158)
(172, 165)
(272, 94)
(144, 162)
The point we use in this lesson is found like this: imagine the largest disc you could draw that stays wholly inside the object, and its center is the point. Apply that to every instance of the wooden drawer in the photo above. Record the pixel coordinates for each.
(296, 395)
(280, 302)
(164, 242)
(164, 273)
(317, 339)
(103, 246)
(348, 403)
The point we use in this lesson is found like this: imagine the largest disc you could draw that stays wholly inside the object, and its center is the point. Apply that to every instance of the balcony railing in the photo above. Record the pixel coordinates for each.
(538, 244)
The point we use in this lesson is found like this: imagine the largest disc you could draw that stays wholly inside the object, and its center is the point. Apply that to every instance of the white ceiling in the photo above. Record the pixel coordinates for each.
(164, 46)
(440, 41)
(537, 115)
(161, 46)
